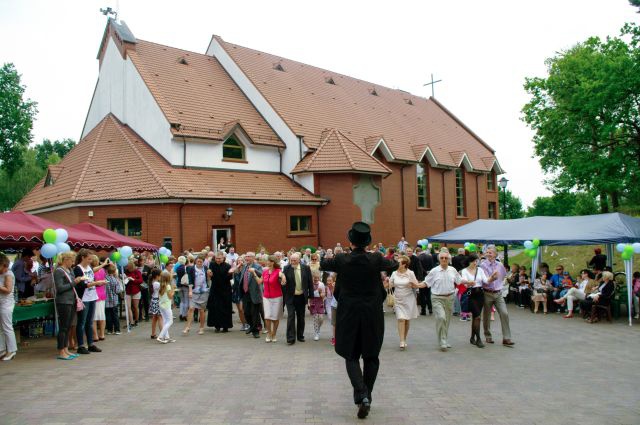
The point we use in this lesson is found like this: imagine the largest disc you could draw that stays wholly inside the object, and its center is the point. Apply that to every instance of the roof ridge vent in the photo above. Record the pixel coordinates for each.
(278, 67)
(373, 91)
(329, 80)
(182, 61)
(408, 102)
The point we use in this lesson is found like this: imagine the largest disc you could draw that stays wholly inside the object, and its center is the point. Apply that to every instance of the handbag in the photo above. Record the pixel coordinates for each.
(79, 303)
(391, 299)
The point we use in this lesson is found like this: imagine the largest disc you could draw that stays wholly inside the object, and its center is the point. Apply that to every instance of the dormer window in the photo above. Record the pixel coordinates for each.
(329, 80)
(278, 67)
(233, 150)
(48, 181)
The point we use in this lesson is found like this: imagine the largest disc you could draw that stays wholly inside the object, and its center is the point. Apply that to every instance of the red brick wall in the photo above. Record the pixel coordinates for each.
(337, 216)
(252, 225)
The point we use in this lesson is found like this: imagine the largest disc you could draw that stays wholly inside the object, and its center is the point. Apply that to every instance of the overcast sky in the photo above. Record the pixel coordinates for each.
(482, 51)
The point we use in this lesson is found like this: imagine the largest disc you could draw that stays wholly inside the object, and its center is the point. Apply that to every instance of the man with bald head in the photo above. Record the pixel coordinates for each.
(298, 289)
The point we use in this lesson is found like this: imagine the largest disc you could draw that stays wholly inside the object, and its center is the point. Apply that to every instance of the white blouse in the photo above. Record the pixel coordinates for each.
(479, 278)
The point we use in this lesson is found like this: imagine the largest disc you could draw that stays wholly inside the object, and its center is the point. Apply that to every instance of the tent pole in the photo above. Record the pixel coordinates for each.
(609, 248)
(506, 256)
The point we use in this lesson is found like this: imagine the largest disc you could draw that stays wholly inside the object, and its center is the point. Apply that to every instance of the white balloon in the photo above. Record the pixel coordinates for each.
(126, 251)
(162, 250)
(636, 247)
(528, 244)
(61, 235)
(63, 247)
(620, 247)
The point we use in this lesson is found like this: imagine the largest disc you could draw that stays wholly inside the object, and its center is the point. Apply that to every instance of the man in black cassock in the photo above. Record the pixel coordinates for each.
(219, 302)
(360, 320)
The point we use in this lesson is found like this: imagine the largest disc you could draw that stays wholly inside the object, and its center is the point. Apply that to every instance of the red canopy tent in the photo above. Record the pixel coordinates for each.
(19, 227)
(121, 240)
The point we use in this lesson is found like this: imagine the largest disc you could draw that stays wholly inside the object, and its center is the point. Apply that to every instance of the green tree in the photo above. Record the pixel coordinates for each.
(513, 205)
(49, 152)
(13, 188)
(563, 204)
(586, 118)
(16, 120)
(635, 3)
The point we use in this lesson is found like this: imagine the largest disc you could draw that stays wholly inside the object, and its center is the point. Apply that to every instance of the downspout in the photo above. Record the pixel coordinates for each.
(184, 201)
(404, 224)
(444, 202)
(478, 195)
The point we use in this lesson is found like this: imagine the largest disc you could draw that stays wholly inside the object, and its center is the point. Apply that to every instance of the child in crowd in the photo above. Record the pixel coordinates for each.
(524, 288)
(316, 304)
(113, 288)
(328, 298)
(463, 296)
(165, 295)
(154, 306)
(540, 288)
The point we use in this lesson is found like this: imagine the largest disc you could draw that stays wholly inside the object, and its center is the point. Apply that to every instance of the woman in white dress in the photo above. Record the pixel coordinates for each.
(405, 306)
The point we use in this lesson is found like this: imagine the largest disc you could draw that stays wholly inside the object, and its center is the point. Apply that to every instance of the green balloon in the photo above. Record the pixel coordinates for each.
(536, 242)
(628, 248)
(532, 252)
(49, 236)
(627, 255)
(164, 259)
(472, 247)
(115, 256)
(424, 247)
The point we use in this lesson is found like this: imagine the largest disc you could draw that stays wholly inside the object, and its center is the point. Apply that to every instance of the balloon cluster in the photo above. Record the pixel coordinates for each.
(627, 250)
(424, 243)
(55, 243)
(121, 256)
(531, 248)
(470, 246)
(164, 254)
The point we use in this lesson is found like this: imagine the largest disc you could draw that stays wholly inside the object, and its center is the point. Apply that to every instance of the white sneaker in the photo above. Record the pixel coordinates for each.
(161, 340)
(267, 339)
(316, 337)
(170, 340)
(264, 331)
(274, 340)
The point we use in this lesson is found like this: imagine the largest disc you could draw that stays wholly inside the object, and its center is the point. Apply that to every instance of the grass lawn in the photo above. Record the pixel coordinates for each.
(573, 258)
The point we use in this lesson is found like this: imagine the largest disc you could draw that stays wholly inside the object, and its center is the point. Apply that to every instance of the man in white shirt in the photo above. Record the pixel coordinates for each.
(231, 256)
(403, 244)
(443, 280)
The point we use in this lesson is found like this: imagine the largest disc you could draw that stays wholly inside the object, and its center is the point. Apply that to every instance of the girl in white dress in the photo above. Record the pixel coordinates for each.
(405, 306)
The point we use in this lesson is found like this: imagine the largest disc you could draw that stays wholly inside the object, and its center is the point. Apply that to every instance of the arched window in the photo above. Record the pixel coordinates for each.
(233, 150)
(460, 196)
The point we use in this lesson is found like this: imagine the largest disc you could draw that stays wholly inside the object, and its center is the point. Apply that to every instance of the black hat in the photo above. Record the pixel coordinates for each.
(360, 234)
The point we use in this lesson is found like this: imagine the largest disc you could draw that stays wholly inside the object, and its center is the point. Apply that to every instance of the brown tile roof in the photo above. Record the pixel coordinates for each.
(113, 163)
(336, 153)
(308, 104)
(197, 95)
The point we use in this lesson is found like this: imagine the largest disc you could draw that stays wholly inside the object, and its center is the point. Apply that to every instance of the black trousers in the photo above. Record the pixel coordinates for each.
(295, 318)
(363, 379)
(251, 313)
(476, 302)
(424, 299)
(144, 303)
(113, 321)
(65, 316)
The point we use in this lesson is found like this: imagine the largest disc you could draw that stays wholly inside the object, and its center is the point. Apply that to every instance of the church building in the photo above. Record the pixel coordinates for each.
(236, 143)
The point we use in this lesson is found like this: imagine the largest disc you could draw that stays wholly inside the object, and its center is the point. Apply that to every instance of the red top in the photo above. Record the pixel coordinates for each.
(133, 287)
(271, 282)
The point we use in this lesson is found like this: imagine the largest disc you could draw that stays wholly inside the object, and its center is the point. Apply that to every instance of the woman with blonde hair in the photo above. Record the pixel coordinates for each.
(406, 308)
(272, 281)
(8, 346)
(165, 293)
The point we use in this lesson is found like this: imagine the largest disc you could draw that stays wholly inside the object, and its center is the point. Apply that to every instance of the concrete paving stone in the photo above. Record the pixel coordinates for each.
(234, 379)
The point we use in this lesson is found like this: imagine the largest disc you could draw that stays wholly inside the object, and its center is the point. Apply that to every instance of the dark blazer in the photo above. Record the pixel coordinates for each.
(360, 294)
(606, 294)
(255, 291)
(459, 262)
(416, 267)
(64, 286)
(290, 287)
(426, 260)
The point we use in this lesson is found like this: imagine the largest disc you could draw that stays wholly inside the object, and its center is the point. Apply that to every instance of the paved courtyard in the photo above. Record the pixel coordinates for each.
(560, 371)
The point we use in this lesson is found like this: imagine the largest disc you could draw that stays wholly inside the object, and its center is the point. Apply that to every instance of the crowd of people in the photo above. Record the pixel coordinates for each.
(205, 286)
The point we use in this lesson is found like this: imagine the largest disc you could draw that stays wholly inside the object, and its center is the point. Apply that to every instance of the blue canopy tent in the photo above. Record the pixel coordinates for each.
(608, 229)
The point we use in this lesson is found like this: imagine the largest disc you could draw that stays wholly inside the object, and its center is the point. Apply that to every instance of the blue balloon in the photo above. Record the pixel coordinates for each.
(467, 244)
(162, 250)
(61, 235)
(62, 247)
(528, 244)
(620, 247)
(48, 250)
(168, 253)
(123, 261)
(636, 247)
(126, 251)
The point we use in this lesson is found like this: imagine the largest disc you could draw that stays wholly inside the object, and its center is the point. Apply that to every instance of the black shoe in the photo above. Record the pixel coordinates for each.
(225, 330)
(83, 350)
(248, 331)
(256, 335)
(94, 349)
(363, 408)
(423, 313)
(217, 330)
(291, 342)
(301, 339)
